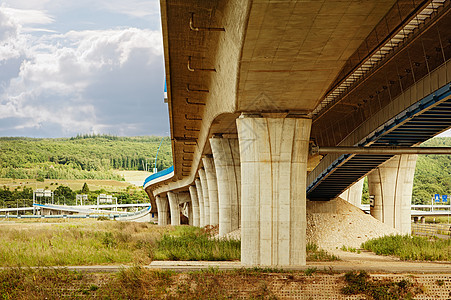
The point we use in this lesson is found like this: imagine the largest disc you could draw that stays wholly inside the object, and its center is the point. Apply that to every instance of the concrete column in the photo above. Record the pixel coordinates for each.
(212, 182)
(163, 210)
(391, 185)
(354, 193)
(226, 155)
(195, 205)
(205, 196)
(200, 197)
(175, 208)
(274, 155)
(189, 209)
(185, 207)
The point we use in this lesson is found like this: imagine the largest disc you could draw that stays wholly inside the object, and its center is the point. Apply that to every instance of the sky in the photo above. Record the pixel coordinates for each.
(75, 67)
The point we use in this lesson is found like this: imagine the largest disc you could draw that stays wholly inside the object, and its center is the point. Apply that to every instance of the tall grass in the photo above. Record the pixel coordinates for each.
(411, 247)
(91, 242)
(85, 243)
(192, 243)
(314, 253)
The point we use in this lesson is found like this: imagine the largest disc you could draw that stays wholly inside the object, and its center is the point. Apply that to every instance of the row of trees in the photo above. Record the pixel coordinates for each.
(432, 173)
(65, 195)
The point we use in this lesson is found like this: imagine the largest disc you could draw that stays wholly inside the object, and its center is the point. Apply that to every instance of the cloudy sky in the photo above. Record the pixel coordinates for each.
(69, 67)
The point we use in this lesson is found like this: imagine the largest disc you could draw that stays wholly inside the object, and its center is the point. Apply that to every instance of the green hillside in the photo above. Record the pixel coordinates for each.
(94, 157)
(82, 157)
(432, 173)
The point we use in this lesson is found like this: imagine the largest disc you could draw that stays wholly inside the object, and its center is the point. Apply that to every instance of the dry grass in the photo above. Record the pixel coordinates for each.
(93, 242)
(86, 242)
(133, 176)
(141, 283)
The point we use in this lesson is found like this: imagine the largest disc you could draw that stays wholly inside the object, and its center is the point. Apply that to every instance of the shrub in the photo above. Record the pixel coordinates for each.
(410, 247)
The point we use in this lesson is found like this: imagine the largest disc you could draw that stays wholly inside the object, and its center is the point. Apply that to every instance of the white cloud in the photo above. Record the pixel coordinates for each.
(77, 81)
(29, 4)
(28, 16)
(61, 80)
(134, 8)
(12, 44)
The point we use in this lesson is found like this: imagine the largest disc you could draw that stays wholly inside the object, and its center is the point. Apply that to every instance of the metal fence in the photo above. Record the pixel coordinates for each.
(437, 230)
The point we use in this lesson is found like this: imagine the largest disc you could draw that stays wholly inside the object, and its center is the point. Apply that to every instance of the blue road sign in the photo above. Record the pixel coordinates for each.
(437, 197)
(445, 198)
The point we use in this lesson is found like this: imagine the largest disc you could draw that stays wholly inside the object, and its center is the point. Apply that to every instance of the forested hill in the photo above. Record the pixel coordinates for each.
(432, 173)
(82, 157)
(94, 157)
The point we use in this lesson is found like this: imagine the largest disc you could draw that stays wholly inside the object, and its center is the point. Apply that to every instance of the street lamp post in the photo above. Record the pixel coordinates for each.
(155, 170)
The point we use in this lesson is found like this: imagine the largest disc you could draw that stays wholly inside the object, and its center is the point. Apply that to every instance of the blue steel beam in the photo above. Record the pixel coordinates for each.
(348, 168)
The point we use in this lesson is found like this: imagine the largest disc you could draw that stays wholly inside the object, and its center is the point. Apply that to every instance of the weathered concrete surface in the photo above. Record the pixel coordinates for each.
(391, 185)
(273, 178)
(228, 171)
(163, 210)
(174, 207)
(200, 197)
(195, 206)
(189, 211)
(354, 193)
(205, 196)
(212, 182)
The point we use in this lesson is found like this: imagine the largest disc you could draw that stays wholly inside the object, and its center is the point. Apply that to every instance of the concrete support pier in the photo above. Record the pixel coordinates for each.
(273, 185)
(212, 182)
(163, 210)
(226, 154)
(189, 209)
(200, 198)
(175, 208)
(391, 185)
(354, 193)
(195, 206)
(205, 196)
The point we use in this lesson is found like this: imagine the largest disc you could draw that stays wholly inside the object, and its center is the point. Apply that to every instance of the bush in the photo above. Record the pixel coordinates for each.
(361, 283)
(192, 243)
(410, 247)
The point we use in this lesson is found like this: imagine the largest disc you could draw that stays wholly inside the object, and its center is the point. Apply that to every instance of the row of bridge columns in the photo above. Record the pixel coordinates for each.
(257, 182)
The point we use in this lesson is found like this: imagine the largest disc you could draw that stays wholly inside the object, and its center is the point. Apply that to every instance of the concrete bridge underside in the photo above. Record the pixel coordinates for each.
(251, 84)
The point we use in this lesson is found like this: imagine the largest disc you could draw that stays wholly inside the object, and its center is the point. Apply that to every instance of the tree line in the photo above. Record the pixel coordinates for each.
(432, 173)
(23, 196)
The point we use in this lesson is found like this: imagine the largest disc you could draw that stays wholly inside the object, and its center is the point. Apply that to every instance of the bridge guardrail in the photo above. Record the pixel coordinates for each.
(78, 216)
(169, 172)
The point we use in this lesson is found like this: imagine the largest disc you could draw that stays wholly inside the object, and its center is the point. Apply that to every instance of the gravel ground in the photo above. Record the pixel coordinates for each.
(348, 226)
(345, 225)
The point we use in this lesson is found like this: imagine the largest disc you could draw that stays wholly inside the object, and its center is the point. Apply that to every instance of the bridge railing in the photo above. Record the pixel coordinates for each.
(159, 176)
(430, 230)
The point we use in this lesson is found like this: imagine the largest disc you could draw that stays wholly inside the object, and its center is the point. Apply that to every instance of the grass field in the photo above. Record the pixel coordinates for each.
(84, 242)
(93, 242)
(411, 247)
(134, 177)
